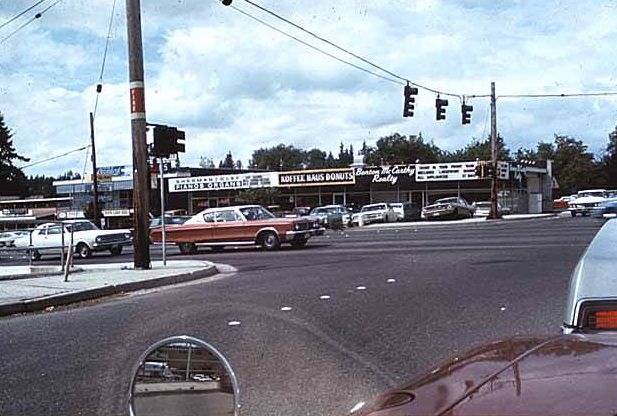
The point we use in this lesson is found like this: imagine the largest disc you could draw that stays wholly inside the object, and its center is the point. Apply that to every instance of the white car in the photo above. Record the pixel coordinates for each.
(87, 238)
(7, 239)
(587, 201)
(371, 213)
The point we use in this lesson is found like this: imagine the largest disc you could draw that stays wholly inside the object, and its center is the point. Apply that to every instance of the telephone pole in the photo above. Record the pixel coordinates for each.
(141, 198)
(95, 179)
(493, 212)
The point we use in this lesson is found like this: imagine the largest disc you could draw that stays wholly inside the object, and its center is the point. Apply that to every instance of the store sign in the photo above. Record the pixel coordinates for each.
(220, 182)
(116, 212)
(318, 177)
(386, 174)
(461, 171)
(123, 170)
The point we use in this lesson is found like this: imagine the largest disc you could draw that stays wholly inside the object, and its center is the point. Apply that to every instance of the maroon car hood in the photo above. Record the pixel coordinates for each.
(563, 375)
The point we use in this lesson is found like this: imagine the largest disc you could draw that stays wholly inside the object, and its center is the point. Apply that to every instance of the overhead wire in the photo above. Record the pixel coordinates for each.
(35, 17)
(12, 19)
(315, 47)
(54, 157)
(104, 60)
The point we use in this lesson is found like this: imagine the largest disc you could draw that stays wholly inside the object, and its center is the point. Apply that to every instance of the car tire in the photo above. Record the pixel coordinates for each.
(573, 213)
(116, 250)
(35, 255)
(269, 241)
(299, 243)
(187, 248)
(83, 251)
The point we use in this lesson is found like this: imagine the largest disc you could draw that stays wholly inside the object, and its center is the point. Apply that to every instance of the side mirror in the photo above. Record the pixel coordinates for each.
(183, 376)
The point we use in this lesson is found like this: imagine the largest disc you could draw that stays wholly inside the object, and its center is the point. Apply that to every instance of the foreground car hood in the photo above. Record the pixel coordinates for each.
(567, 374)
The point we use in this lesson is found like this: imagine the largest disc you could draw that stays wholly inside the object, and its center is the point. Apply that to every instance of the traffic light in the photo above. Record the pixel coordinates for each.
(408, 107)
(166, 141)
(490, 170)
(466, 113)
(480, 171)
(440, 108)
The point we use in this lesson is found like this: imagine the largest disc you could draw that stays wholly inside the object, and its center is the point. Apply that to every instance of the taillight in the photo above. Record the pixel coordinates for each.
(599, 316)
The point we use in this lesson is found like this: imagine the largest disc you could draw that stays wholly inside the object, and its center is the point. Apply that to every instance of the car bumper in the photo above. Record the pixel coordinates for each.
(584, 210)
(440, 213)
(108, 245)
(297, 235)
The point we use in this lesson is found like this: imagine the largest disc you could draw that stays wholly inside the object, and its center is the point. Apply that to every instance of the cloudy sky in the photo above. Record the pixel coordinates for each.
(234, 84)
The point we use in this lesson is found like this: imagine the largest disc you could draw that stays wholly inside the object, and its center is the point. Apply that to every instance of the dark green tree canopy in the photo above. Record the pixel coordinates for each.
(12, 178)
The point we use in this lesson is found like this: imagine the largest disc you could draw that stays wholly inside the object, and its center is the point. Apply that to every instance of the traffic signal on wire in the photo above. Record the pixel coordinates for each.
(440, 110)
(466, 113)
(408, 107)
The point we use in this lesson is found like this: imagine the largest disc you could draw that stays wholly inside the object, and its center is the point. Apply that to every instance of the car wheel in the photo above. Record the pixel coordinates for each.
(299, 243)
(83, 251)
(35, 255)
(187, 248)
(270, 241)
(218, 249)
(116, 250)
(573, 213)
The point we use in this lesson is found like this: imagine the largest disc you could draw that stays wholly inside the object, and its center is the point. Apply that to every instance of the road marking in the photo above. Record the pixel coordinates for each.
(503, 308)
(233, 323)
(286, 308)
(360, 287)
(357, 407)
(390, 280)
(324, 297)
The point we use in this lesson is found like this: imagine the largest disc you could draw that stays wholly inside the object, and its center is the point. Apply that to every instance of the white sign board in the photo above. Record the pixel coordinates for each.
(219, 182)
(461, 171)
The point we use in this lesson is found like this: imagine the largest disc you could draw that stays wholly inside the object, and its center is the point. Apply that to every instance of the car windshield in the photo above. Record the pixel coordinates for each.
(597, 194)
(232, 120)
(368, 208)
(256, 213)
(80, 226)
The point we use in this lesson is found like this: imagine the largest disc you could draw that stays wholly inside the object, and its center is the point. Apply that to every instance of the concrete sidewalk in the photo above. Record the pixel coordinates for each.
(22, 292)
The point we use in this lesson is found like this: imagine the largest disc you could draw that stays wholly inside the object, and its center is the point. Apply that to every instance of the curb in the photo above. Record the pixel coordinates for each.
(38, 304)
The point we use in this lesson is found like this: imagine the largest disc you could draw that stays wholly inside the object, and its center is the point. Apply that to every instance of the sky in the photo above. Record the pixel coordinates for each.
(234, 84)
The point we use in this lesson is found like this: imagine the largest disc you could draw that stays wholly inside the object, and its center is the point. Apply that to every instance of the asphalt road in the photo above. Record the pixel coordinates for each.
(369, 309)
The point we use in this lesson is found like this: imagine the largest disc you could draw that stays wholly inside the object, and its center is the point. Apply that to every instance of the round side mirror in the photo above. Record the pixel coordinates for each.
(183, 376)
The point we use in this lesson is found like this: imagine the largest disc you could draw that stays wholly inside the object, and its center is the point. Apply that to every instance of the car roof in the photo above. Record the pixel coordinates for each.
(592, 190)
(594, 276)
(205, 211)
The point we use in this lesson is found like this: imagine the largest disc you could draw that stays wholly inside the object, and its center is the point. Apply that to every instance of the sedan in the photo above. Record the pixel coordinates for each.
(448, 208)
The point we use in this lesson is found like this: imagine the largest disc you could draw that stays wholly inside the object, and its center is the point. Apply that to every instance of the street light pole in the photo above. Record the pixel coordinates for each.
(141, 201)
(493, 212)
(95, 181)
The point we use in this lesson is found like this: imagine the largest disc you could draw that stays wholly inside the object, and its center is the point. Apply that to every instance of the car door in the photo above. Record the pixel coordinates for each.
(230, 226)
(52, 239)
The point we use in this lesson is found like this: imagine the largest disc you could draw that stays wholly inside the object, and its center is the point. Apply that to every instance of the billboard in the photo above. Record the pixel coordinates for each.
(220, 182)
(317, 177)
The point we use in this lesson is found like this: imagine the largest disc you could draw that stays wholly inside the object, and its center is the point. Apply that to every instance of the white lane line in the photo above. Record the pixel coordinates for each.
(233, 323)
(360, 287)
(503, 308)
(286, 308)
(390, 280)
(324, 297)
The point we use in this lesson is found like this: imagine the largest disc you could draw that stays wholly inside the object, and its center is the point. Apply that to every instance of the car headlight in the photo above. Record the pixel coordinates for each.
(127, 236)
(449, 206)
(97, 239)
(297, 227)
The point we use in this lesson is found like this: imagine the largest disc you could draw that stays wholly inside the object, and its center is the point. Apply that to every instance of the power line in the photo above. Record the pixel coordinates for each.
(100, 80)
(392, 74)
(36, 16)
(12, 19)
(54, 157)
(315, 48)
(565, 95)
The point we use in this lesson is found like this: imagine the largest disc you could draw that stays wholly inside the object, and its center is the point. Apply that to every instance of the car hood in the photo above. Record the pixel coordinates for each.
(566, 374)
(440, 205)
(588, 199)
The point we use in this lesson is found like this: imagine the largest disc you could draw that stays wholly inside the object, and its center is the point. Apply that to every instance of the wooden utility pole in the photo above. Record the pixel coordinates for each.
(141, 187)
(493, 212)
(95, 179)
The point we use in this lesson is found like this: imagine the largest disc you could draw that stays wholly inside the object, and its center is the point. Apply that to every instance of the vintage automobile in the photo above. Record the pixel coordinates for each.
(243, 225)
(448, 208)
(573, 373)
(87, 238)
(406, 211)
(7, 239)
(169, 220)
(587, 202)
(606, 210)
(483, 209)
(329, 212)
(381, 212)
(562, 204)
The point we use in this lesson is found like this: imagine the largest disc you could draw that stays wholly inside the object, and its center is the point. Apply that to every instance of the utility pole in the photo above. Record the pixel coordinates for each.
(493, 212)
(141, 200)
(95, 179)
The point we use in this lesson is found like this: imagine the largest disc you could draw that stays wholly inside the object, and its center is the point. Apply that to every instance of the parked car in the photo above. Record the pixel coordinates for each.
(587, 201)
(169, 220)
(244, 225)
(7, 239)
(554, 374)
(562, 204)
(448, 208)
(381, 212)
(328, 213)
(406, 211)
(87, 238)
(606, 210)
(483, 209)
